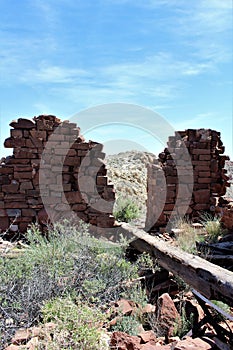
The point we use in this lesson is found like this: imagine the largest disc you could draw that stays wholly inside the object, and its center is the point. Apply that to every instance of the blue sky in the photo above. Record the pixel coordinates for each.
(172, 56)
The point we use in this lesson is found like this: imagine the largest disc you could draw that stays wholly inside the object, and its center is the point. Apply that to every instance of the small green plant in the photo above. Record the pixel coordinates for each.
(145, 261)
(78, 325)
(224, 307)
(212, 226)
(183, 325)
(126, 210)
(128, 324)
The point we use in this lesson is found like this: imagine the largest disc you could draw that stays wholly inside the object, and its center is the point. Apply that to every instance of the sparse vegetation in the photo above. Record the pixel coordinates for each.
(188, 236)
(212, 226)
(78, 324)
(60, 277)
(128, 324)
(223, 306)
(183, 325)
(126, 210)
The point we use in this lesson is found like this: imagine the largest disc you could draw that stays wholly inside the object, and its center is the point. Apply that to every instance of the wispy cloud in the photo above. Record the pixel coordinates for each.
(52, 74)
(209, 119)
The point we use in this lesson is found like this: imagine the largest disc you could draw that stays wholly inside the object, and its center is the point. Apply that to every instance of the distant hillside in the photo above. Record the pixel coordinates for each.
(229, 167)
(128, 172)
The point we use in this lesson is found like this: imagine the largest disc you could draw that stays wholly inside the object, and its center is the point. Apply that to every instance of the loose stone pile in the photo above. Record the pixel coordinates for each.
(192, 165)
(76, 186)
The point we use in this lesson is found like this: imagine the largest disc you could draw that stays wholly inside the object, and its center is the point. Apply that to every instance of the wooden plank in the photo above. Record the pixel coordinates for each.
(212, 281)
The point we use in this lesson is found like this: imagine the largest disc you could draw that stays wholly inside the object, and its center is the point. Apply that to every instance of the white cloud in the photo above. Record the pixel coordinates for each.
(52, 74)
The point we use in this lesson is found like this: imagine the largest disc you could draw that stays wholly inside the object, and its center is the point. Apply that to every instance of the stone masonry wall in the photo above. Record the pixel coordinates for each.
(205, 149)
(20, 185)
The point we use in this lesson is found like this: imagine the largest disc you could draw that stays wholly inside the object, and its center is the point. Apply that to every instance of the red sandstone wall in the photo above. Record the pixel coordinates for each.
(209, 176)
(20, 188)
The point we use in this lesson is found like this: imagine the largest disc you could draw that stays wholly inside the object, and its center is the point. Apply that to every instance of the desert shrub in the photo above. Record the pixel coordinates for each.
(78, 324)
(68, 262)
(212, 226)
(126, 210)
(183, 325)
(188, 236)
(128, 324)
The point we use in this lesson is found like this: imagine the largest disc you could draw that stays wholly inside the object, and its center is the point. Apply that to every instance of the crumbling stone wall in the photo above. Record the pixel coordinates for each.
(209, 183)
(20, 186)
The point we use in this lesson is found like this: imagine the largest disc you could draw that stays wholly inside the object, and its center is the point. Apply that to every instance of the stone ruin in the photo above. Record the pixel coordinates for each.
(73, 177)
(20, 185)
(204, 149)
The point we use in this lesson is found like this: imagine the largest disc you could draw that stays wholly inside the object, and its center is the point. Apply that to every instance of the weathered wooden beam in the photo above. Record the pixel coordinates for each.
(212, 281)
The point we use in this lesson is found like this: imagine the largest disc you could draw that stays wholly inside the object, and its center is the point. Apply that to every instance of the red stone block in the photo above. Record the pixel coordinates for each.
(73, 197)
(29, 144)
(4, 223)
(16, 133)
(24, 153)
(6, 170)
(11, 188)
(33, 193)
(23, 175)
(202, 196)
(72, 161)
(204, 180)
(79, 207)
(23, 226)
(22, 168)
(204, 173)
(202, 168)
(105, 221)
(56, 137)
(28, 212)
(201, 207)
(22, 123)
(38, 134)
(204, 157)
(3, 213)
(19, 197)
(18, 161)
(15, 205)
(71, 153)
(168, 207)
(201, 151)
(102, 180)
(172, 180)
(214, 165)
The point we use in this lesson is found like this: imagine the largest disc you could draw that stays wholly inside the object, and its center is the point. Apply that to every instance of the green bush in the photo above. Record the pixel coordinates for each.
(128, 324)
(78, 324)
(126, 210)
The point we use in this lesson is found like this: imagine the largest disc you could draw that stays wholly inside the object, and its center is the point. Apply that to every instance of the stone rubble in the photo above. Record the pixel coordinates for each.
(163, 316)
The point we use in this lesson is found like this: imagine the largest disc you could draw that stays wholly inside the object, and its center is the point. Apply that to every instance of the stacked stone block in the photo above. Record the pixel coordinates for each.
(26, 183)
(203, 150)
